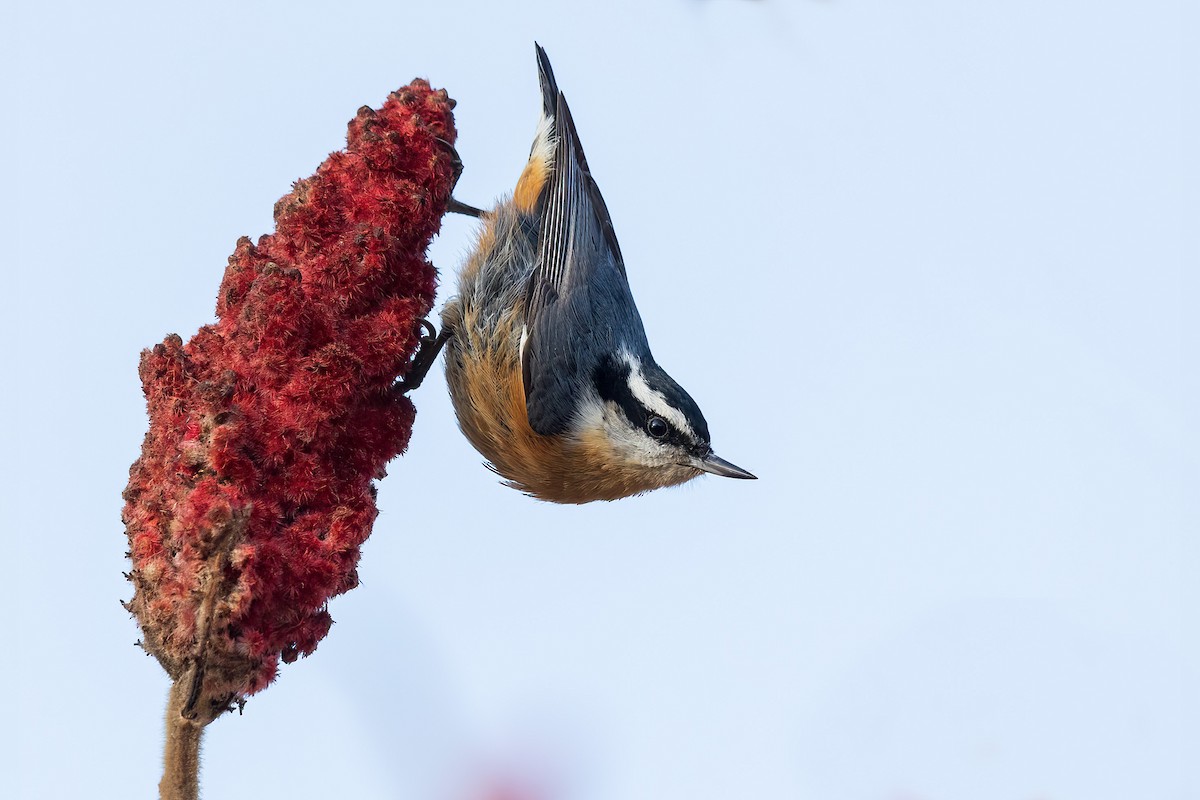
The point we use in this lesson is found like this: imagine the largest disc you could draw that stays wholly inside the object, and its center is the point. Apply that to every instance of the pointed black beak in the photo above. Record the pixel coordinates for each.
(716, 465)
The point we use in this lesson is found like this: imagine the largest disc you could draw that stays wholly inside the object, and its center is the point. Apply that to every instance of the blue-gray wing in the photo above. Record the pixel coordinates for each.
(578, 304)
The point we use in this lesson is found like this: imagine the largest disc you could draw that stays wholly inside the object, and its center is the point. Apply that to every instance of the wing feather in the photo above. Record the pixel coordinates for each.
(577, 302)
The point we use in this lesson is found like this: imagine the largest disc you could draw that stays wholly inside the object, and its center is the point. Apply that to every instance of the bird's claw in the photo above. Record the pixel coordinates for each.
(427, 352)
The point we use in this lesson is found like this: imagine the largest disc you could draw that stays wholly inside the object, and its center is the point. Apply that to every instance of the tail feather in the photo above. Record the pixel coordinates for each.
(536, 174)
(549, 85)
(556, 182)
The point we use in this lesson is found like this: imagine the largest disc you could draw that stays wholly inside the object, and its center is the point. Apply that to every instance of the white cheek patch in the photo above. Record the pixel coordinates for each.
(631, 445)
(654, 399)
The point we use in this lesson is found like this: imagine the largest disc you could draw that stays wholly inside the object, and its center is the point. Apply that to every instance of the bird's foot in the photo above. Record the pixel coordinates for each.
(431, 344)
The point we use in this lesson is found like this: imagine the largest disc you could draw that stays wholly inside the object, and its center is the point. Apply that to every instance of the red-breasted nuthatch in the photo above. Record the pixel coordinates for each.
(547, 362)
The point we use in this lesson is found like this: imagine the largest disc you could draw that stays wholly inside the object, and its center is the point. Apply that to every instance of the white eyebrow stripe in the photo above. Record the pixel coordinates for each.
(654, 399)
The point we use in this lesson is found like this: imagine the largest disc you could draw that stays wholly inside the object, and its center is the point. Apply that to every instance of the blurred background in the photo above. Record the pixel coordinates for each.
(929, 267)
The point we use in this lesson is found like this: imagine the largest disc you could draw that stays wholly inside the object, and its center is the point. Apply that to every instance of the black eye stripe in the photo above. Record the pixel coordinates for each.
(612, 382)
(611, 378)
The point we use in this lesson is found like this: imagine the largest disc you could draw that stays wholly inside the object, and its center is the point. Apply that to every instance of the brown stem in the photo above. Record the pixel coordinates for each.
(188, 709)
(181, 758)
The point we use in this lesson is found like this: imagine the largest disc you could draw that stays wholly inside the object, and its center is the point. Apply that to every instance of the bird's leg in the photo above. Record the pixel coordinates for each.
(431, 344)
(456, 164)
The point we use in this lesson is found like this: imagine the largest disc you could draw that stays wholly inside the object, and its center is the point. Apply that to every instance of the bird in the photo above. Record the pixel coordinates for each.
(546, 358)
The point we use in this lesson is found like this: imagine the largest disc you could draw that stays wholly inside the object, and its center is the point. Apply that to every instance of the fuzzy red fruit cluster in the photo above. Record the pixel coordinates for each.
(253, 492)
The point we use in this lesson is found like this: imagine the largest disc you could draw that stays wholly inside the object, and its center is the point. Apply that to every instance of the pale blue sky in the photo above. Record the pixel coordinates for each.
(928, 267)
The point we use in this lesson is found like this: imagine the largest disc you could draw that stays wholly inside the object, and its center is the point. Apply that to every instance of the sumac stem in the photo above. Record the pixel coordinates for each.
(181, 756)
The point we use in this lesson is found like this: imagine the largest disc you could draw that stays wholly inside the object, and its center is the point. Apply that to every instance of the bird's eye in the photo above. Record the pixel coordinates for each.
(656, 427)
